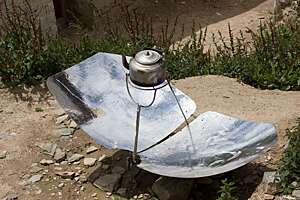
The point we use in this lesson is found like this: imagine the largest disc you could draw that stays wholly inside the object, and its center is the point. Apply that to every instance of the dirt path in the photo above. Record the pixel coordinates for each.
(240, 22)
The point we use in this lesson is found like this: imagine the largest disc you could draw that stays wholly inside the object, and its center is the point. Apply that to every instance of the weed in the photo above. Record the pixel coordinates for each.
(38, 109)
(226, 191)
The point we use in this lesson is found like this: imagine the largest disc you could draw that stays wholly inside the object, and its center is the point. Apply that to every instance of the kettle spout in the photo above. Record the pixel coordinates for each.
(124, 61)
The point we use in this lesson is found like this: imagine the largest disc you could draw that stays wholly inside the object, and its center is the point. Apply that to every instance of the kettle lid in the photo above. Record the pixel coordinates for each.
(147, 57)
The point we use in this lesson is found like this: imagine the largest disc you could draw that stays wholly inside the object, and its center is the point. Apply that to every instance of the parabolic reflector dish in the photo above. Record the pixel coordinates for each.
(94, 94)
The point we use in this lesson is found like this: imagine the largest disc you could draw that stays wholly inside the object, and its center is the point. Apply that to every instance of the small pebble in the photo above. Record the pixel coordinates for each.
(61, 185)
(91, 149)
(3, 154)
(102, 157)
(75, 157)
(46, 162)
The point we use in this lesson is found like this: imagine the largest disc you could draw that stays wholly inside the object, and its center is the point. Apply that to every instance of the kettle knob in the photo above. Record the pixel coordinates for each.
(156, 50)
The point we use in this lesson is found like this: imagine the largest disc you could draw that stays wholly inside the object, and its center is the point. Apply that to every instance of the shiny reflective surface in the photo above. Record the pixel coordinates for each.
(222, 143)
(94, 93)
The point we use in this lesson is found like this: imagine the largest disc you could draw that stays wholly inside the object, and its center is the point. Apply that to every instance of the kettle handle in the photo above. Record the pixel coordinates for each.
(124, 61)
(156, 50)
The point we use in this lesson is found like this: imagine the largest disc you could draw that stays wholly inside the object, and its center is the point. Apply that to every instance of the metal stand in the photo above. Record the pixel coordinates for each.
(135, 159)
(138, 114)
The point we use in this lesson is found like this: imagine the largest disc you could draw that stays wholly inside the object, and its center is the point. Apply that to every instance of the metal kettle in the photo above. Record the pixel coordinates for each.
(146, 68)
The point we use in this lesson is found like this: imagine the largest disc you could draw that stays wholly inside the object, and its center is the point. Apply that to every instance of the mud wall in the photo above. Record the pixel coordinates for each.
(47, 15)
(44, 8)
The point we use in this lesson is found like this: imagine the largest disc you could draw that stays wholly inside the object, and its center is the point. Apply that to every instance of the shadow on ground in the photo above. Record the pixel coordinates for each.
(200, 12)
(115, 175)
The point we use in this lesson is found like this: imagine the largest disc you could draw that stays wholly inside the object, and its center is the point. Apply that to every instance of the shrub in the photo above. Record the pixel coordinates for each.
(289, 166)
(270, 61)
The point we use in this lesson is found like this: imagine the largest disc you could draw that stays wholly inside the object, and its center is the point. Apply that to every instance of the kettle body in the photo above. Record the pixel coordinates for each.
(146, 68)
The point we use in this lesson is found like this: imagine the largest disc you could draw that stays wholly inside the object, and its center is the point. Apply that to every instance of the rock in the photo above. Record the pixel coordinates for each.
(61, 185)
(122, 191)
(91, 149)
(46, 162)
(35, 178)
(38, 192)
(94, 195)
(66, 131)
(102, 157)
(296, 193)
(11, 197)
(61, 119)
(48, 148)
(285, 197)
(269, 183)
(66, 175)
(108, 194)
(269, 177)
(35, 169)
(59, 155)
(295, 184)
(3, 154)
(75, 157)
(73, 124)
(118, 170)
(171, 188)
(108, 182)
(26, 176)
(268, 197)
(4, 135)
(83, 178)
(64, 163)
(283, 3)
(89, 161)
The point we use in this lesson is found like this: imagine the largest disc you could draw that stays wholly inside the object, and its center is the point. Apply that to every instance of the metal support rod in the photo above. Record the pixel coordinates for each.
(137, 127)
(185, 119)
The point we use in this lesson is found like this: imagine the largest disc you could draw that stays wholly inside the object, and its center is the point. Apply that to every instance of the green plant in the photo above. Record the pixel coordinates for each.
(38, 109)
(226, 191)
(289, 166)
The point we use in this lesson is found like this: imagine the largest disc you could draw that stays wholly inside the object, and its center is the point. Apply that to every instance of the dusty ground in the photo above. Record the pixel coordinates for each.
(21, 127)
